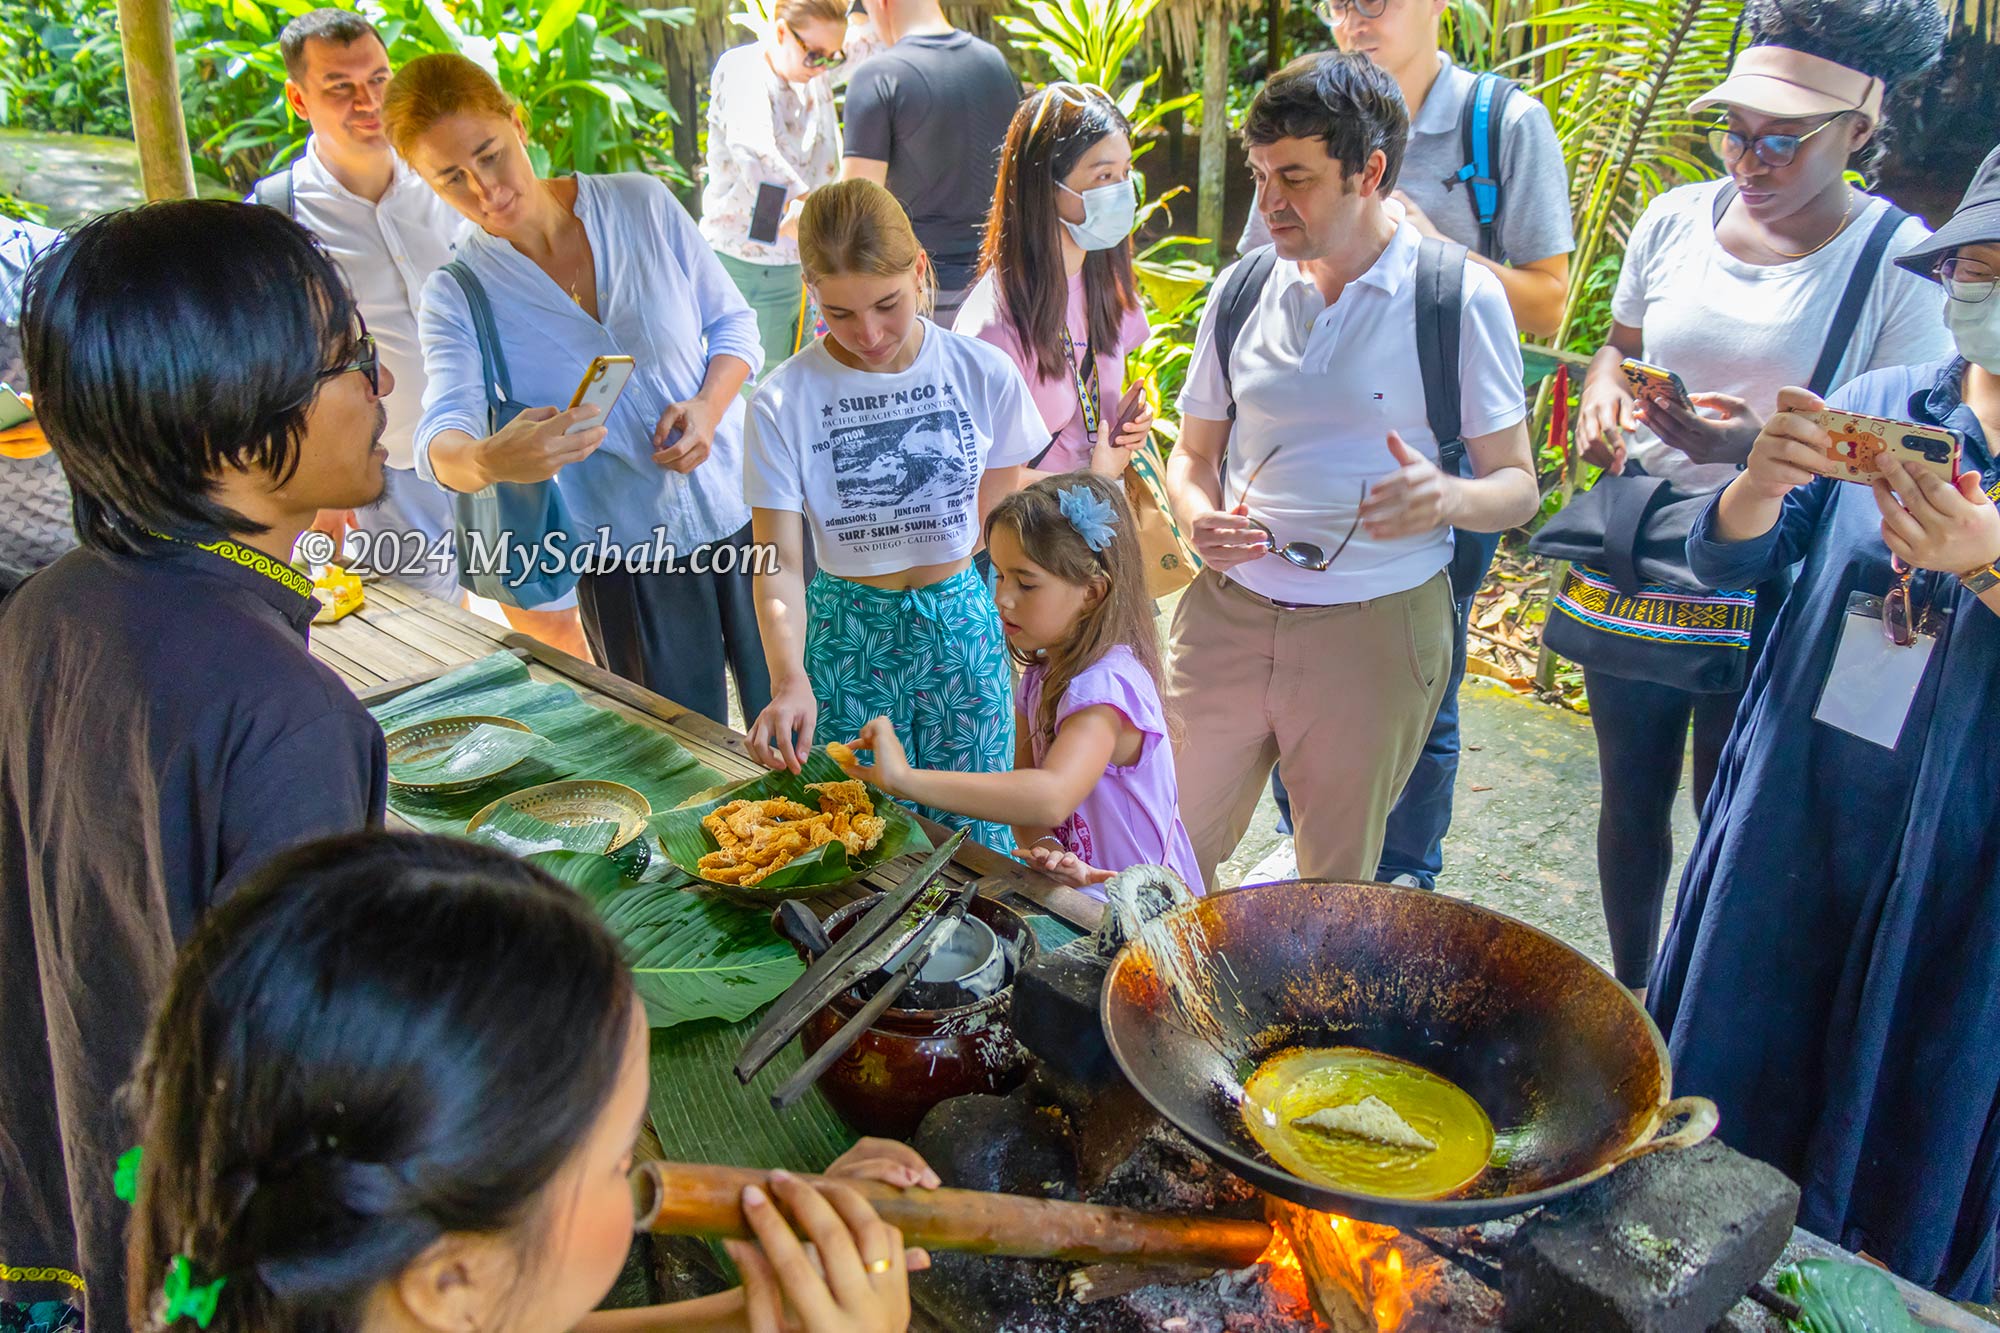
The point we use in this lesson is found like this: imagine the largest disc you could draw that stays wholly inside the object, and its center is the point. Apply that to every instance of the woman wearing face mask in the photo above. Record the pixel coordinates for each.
(1830, 977)
(1065, 203)
(575, 268)
(891, 439)
(1733, 285)
(773, 138)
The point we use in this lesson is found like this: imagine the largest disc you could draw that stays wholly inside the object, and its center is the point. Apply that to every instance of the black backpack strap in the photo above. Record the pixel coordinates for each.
(1239, 297)
(493, 361)
(1848, 313)
(1724, 197)
(278, 191)
(1440, 306)
(1481, 122)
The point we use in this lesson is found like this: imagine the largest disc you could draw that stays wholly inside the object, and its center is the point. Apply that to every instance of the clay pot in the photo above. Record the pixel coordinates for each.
(912, 1059)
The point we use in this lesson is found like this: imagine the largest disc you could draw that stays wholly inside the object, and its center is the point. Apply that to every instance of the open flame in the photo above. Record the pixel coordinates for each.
(1352, 1272)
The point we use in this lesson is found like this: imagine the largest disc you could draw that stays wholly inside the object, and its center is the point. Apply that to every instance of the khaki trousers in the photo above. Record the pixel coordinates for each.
(1343, 696)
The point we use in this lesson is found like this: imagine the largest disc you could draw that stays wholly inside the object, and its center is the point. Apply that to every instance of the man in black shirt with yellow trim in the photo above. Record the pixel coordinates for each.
(202, 374)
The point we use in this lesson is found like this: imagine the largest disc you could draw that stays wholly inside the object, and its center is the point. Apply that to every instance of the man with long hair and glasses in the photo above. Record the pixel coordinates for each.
(1304, 641)
(164, 728)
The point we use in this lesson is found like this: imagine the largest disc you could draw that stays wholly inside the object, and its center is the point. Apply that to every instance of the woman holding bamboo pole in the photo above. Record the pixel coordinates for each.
(314, 1158)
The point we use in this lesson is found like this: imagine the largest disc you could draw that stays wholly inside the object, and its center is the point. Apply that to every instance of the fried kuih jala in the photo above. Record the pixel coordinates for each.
(756, 838)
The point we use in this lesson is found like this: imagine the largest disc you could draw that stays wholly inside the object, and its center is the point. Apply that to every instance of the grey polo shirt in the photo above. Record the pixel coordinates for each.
(1534, 218)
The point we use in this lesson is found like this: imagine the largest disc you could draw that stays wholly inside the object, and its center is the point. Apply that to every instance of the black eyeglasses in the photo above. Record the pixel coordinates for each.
(1332, 11)
(817, 59)
(1306, 555)
(1773, 150)
(367, 360)
(1966, 280)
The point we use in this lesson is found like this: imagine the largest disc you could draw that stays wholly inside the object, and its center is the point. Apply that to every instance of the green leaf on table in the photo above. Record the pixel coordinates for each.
(695, 956)
(484, 751)
(521, 833)
(1836, 1296)
(703, 1114)
(686, 841)
(595, 877)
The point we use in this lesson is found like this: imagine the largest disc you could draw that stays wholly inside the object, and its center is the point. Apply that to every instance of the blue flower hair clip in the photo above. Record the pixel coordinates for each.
(1090, 514)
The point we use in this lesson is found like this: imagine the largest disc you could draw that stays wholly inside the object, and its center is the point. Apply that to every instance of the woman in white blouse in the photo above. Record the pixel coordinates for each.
(576, 268)
(773, 138)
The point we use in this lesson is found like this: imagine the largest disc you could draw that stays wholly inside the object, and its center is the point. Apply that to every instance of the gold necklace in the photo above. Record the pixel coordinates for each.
(1838, 228)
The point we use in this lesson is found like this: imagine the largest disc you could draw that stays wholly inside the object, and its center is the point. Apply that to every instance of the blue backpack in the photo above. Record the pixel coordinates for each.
(1480, 121)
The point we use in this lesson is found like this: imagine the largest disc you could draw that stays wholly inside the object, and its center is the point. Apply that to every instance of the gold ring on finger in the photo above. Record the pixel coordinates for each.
(881, 1266)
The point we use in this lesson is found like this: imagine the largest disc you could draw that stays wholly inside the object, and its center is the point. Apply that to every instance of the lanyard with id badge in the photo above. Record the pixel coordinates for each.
(1885, 647)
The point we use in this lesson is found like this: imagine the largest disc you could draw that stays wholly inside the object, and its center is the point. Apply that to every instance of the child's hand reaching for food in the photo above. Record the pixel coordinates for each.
(891, 769)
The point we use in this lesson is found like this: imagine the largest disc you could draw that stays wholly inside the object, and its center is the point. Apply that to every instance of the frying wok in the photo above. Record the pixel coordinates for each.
(1567, 1065)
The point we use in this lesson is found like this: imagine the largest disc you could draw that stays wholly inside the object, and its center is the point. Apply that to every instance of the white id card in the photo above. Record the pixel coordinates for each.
(1872, 683)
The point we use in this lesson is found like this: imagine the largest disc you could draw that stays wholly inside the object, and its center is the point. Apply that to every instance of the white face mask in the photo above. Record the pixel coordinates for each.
(1975, 327)
(1109, 212)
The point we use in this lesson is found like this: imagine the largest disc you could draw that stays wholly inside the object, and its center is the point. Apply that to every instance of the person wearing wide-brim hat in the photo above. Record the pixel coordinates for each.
(1830, 977)
(1734, 286)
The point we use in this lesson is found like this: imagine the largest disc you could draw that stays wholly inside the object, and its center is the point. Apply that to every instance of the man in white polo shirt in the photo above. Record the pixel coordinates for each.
(1333, 655)
(388, 231)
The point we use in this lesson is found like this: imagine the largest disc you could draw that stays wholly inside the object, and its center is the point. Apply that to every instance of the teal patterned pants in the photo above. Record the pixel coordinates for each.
(933, 661)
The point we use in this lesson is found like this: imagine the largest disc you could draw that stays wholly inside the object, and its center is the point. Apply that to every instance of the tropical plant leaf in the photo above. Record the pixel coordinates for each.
(695, 956)
(685, 841)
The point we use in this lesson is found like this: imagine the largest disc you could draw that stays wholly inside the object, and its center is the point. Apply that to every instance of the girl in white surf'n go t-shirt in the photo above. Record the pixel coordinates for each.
(891, 438)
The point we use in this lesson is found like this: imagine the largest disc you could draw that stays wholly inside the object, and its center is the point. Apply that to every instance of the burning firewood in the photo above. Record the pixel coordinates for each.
(1353, 1273)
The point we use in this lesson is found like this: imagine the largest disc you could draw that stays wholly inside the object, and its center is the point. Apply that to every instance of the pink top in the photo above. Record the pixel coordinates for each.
(1132, 816)
(981, 317)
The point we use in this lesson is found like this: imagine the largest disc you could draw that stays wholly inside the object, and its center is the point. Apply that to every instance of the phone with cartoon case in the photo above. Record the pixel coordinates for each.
(1861, 442)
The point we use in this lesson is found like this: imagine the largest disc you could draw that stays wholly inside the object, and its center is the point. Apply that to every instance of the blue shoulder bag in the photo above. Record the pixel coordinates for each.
(519, 514)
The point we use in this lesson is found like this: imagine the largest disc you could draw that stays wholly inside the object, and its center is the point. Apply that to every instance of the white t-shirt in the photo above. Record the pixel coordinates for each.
(1327, 383)
(886, 468)
(1748, 330)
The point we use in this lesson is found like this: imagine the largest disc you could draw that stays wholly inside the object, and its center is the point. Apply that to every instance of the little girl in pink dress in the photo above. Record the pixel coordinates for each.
(1092, 790)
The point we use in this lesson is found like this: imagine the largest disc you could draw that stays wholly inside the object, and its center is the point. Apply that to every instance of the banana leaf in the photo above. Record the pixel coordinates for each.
(1835, 1296)
(696, 956)
(522, 834)
(485, 751)
(685, 841)
(584, 742)
(693, 958)
(702, 1114)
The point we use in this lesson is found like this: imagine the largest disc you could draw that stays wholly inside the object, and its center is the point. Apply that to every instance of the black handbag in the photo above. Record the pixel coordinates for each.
(1629, 605)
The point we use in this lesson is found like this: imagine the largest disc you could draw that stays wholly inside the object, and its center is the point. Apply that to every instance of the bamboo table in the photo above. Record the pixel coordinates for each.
(401, 638)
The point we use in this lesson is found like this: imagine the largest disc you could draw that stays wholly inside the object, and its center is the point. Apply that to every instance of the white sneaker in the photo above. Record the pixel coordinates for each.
(1407, 881)
(1282, 863)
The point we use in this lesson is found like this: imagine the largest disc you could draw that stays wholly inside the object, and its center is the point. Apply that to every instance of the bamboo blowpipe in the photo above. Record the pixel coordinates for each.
(681, 1199)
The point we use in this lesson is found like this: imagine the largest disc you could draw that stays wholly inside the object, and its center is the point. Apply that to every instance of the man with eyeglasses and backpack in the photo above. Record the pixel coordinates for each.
(1482, 168)
(1339, 380)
